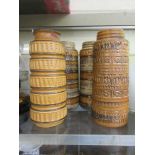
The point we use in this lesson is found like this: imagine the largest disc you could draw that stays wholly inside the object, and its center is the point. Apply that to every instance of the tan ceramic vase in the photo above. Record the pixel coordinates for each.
(110, 79)
(47, 79)
(71, 74)
(86, 68)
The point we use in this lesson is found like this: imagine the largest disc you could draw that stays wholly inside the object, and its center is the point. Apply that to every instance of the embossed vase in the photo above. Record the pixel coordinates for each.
(110, 79)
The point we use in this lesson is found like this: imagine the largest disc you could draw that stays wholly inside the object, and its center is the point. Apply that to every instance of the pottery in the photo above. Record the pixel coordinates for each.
(110, 79)
(71, 56)
(47, 79)
(86, 73)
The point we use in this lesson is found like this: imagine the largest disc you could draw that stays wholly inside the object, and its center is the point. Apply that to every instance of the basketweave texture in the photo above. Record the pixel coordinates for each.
(46, 98)
(47, 80)
(47, 64)
(45, 34)
(48, 115)
(46, 47)
(110, 79)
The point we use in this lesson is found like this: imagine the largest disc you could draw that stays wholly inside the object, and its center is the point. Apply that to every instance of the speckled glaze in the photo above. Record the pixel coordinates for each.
(110, 79)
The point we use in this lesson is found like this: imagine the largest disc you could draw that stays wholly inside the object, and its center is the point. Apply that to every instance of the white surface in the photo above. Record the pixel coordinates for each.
(100, 5)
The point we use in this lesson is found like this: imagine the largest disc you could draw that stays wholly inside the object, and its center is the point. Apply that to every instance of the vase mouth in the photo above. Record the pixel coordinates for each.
(110, 33)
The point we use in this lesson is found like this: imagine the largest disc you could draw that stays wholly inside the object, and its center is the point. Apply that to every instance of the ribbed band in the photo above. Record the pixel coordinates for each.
(47, 81)
(108, 33)
(46, 47)
(48, 98)
(47, 64)
(48, 116)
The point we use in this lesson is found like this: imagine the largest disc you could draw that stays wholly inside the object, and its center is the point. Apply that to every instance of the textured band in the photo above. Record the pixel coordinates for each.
(48, 98)
(111, 118)
(48, 116)
(47, 80)
(46, 47)
(47, 64)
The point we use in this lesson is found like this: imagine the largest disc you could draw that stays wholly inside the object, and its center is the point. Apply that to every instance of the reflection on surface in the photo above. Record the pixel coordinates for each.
(80, 122)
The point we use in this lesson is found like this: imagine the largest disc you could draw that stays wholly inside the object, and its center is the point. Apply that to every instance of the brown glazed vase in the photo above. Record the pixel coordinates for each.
(110, 79)
(71, 56)
(86, 68)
